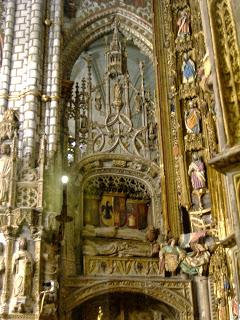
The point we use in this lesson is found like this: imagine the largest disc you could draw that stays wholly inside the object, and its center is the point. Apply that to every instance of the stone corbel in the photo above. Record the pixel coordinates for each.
(226, 160)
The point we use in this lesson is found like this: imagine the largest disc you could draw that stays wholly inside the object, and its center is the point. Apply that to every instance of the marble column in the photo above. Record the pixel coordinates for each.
(201, 286)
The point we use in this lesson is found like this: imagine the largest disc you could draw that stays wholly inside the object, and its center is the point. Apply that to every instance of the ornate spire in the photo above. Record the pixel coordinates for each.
(115, 43)
(115, 54)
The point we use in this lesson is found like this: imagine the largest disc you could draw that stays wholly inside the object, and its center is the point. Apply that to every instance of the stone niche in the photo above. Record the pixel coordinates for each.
(116, 216)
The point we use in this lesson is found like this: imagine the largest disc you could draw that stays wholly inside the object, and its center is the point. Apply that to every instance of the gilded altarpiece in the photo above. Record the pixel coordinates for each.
(188, 104)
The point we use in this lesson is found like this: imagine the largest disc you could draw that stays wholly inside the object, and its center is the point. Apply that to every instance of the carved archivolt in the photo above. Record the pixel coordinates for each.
(85, 32)
(228, 66)
(141, 177)
(176, 294)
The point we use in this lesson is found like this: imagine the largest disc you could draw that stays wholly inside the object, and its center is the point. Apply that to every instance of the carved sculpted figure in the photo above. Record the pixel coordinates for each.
(2, 265)
(98, 100)
(195, 261)
(117, 94)
(100, 313)
(138, 102)
(48, 299)
(192, 119)
(188, 69)
(197, 172)
(23, 269)
(116, 248)
(5, 171)
(205, 74)
(183, 23)
(169, 257)
(51, 262)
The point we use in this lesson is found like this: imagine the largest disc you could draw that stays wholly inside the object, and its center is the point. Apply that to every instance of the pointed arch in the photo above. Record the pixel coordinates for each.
(83, 33)
(162, 290)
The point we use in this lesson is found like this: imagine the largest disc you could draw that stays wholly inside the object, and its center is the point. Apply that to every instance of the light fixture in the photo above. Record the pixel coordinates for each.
(64, 179)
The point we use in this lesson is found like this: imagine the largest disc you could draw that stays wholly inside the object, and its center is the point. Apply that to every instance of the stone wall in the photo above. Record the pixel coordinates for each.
(30, 69)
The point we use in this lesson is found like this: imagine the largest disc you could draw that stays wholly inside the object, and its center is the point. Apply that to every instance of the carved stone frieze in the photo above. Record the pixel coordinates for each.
(114, 266)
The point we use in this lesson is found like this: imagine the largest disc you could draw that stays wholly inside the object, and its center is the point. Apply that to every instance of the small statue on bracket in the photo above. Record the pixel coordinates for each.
(117, 95)
(5, 172)
(196, 171)
(192, 119)
(23, 268)
(188, 69)
(193, 138)
(183, 23)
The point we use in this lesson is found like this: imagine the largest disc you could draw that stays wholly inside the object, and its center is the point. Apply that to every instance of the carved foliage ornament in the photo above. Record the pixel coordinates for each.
(8, 125)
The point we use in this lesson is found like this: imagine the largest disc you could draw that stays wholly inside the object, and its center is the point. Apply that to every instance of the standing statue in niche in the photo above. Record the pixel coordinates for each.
(23, 269)
(117, 95)
(5, 173)
(98, 100)
(2, 265)
(183, 24)
(192, 119)
(188, 69)
(100, 313)
(138, 102)
(197, 172)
